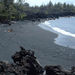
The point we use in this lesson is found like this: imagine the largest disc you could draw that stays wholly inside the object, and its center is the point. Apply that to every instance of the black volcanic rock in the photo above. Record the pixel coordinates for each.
(25, 63)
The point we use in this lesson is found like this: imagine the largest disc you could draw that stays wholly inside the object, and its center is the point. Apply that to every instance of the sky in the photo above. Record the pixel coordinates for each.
(44, 2)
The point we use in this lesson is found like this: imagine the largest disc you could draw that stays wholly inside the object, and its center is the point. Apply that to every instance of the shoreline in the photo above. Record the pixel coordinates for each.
(62, 48)
(30, 36)
(33, 19)
(58, 30)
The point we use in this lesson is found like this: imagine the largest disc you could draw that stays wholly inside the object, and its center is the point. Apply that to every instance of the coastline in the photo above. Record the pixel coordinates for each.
(58, 53)
(60, 27)
(30, 36)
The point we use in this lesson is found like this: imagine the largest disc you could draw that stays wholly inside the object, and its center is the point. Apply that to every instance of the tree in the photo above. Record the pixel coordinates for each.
(21, 1)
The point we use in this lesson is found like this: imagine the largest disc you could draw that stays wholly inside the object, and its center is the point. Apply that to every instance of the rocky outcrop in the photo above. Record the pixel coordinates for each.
(25, 63)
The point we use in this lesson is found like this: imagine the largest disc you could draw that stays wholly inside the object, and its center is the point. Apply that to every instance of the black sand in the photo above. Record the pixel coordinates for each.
(31, 36)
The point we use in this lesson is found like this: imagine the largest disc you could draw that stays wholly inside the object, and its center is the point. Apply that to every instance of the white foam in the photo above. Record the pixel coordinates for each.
(63, 32)
(46, 24)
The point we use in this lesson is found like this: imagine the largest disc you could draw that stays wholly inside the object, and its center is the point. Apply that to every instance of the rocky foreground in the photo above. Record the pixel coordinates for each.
(25, 63)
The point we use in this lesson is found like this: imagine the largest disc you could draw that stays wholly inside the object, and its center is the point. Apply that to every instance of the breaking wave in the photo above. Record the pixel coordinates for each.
(46, 25)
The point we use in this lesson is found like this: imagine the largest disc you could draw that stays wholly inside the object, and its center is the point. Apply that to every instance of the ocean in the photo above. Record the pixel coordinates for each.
(65, 28)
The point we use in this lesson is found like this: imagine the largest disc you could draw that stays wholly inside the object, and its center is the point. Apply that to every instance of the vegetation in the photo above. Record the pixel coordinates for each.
(20, 11)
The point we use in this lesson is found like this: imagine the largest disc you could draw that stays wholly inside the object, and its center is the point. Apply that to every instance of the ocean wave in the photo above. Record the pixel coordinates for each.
(46, 25)
(63, 32)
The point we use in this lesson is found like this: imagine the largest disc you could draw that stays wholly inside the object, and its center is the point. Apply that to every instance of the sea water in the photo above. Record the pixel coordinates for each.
(65, 28)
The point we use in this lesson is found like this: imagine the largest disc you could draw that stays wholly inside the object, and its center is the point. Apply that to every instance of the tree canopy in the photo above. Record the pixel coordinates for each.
(21, 10)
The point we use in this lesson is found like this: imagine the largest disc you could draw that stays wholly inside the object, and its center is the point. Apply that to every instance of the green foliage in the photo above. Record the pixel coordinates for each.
(20, 10)
(22, 16)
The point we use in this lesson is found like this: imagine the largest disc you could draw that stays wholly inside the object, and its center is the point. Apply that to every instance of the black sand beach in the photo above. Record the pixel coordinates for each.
(29, 35)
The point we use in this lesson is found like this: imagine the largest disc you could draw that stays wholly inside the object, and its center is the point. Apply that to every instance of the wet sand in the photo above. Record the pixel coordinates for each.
(31, 36)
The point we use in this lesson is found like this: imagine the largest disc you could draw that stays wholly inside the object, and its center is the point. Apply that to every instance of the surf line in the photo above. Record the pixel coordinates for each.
(46, 25)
